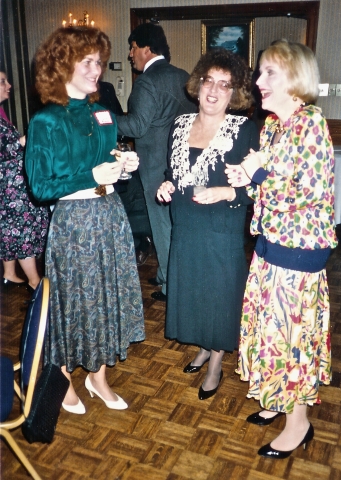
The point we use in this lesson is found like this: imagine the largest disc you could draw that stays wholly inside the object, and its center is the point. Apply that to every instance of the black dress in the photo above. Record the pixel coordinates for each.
(207, 265)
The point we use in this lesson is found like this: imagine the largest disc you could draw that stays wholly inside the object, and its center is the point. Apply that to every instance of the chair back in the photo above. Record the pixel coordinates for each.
(32, 339)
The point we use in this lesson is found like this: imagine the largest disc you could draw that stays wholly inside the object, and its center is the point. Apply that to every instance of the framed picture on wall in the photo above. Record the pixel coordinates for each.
(237, 37)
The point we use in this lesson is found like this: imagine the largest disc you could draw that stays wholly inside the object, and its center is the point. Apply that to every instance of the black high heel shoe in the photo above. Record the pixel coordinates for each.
(256, 419)
(268, 451)
(193, 369)
(205, 394)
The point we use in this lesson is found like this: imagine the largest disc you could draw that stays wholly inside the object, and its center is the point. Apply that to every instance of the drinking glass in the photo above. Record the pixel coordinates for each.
(123, 147)
(198, 189)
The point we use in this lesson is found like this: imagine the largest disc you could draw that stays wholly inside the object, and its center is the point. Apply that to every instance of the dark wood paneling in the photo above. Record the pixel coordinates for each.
(16, 65)
(335, 130)
(307, 10)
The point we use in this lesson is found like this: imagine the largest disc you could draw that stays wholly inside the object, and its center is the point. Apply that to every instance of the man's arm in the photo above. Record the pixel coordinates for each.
(142, 106)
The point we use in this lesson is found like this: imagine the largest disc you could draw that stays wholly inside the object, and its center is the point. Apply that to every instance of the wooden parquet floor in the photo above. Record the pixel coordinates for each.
(167, 433)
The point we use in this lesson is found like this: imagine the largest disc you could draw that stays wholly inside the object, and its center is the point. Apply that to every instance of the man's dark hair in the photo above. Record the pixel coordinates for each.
(152, 36)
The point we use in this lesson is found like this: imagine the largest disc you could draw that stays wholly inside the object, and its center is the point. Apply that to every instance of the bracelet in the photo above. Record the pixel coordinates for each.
(235, 195)
(101, 190)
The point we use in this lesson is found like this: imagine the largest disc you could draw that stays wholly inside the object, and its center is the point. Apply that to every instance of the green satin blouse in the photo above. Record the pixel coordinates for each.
(64, 144)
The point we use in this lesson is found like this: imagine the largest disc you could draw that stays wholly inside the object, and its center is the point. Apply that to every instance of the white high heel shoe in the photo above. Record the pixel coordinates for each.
(120, 404)
(78, 408)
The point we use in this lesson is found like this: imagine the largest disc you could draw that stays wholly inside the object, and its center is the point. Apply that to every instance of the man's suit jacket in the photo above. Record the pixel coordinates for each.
(108, 97)
(157, 98)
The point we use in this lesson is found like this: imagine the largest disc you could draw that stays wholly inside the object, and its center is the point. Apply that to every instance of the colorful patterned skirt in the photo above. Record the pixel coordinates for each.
(96, 305)
(284, 349)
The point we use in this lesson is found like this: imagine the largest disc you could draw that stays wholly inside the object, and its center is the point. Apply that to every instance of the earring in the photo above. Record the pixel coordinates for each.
(294, 98)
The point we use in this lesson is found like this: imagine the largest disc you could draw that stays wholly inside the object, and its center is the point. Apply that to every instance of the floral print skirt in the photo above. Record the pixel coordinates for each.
(96, 306)
(284, 349)
(23, 224)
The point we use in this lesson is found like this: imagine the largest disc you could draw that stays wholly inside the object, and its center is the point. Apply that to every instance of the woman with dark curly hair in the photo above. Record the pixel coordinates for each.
(96, 308)
(207, 265)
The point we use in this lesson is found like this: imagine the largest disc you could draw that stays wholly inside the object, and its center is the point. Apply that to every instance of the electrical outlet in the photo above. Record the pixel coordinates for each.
(338, 90)
(323, 89)
(332, 90)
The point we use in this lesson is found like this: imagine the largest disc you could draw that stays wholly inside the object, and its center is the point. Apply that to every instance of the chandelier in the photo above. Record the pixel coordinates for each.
(74, 22)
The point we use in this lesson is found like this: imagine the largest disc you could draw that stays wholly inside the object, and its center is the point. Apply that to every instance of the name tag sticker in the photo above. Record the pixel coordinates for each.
(103, 117)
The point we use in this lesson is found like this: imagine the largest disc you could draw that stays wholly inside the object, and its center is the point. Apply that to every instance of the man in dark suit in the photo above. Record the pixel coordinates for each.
(131, 191)
(108, 97)
(157, 98)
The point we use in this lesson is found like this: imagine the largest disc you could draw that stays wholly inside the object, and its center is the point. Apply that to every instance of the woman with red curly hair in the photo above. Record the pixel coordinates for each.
(96, 308)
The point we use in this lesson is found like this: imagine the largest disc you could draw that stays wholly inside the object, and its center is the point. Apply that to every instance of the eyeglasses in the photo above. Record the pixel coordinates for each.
(223, 85)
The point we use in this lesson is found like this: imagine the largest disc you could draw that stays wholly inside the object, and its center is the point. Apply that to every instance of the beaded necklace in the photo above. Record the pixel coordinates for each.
(279, 128)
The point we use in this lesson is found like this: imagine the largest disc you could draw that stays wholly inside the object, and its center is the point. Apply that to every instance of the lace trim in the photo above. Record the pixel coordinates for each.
(221, 143)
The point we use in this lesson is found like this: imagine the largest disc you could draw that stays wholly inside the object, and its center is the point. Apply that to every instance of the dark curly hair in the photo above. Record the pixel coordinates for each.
(56, 58)
(152, 36)
(228, 62)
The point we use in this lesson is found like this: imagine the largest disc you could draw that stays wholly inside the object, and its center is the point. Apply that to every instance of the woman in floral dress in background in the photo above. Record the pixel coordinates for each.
(23, 226)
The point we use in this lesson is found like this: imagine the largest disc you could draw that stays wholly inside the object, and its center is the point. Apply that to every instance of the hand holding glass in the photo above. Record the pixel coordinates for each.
(198, 189)
(123, 147)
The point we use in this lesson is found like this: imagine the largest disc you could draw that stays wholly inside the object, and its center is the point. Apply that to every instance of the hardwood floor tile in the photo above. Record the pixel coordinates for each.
(336, 462)
(206, 443)
(82, 461)
(111, 468)
(162, 456)
(141, 471)
(255, 475)
(167, 433)
(238, 452)
(170, 391)
(193, 465)
(186, 415)
(158, 408)
(129, 447)
(216, 423)
(300, 467)
(335, 474)
(175, 435)
(146, 427)
(168, 356)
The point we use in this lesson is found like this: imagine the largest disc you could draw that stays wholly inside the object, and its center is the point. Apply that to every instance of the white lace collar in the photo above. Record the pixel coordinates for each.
(221, 143)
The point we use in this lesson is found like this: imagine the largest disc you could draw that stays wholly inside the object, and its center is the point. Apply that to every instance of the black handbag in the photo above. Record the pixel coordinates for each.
(48, 396)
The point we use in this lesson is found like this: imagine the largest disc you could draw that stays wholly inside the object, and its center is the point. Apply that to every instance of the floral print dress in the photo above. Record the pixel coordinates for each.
(284, 350)
(23, 225)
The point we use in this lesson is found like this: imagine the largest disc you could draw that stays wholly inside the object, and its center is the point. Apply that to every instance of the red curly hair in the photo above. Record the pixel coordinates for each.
(56, 58)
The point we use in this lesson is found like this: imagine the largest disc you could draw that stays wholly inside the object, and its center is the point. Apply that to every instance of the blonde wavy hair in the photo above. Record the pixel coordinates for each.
(300, 65)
